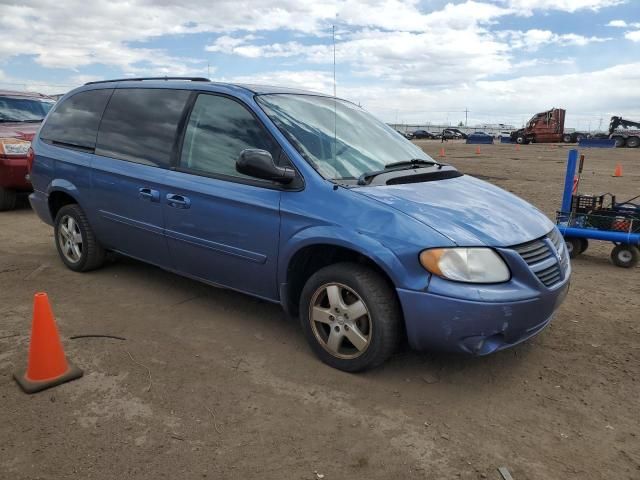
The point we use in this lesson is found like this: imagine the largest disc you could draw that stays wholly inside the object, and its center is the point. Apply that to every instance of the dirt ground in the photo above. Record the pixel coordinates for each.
(213, 384)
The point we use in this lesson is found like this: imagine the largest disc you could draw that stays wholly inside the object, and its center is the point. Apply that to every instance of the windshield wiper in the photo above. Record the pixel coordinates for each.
(412, 162)
(398, 166)
(11, 120)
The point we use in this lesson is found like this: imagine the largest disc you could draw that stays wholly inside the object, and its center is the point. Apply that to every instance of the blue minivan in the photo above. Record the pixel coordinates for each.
(301, 199)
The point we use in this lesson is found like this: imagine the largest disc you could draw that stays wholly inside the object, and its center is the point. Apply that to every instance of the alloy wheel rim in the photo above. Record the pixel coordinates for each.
(340, 321)
(625, 256)
(70, 239)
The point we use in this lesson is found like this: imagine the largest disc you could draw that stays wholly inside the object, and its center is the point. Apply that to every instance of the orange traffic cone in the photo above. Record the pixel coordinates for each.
(517, 147)
(441, 152)
(47, 365)
(618, 171)
(477, 150)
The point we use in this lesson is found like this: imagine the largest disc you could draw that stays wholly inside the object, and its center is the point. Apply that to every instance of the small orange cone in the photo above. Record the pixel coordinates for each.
(517, 147)
(618, 171)
(477, 150)
(47, 365)
(441, 152)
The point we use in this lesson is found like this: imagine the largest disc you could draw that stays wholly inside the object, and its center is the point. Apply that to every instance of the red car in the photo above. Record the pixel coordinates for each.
(20, 116)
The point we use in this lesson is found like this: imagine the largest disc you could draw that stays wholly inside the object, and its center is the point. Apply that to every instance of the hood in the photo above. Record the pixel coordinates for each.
(23, 131)
(466, 210)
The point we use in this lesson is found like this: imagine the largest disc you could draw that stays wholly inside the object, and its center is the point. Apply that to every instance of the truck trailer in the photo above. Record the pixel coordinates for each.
(546, 127)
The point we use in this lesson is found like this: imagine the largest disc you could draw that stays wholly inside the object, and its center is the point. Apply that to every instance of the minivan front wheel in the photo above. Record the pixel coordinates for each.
(76, 243)
(350, 316)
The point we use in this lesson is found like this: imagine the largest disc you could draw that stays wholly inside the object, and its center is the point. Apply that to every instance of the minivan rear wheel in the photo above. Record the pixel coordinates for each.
(76, 243)
(7, 199)
(350, 316)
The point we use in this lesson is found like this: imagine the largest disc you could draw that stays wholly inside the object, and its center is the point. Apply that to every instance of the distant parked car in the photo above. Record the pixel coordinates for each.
(20, 116)
(422, 134)
(453, 134)
(479, 137)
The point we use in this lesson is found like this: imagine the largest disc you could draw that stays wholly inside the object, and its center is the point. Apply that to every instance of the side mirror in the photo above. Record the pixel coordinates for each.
(259, 164)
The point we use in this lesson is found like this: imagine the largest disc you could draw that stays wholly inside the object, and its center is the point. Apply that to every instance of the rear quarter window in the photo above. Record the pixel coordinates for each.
(140, 125)
(74, 122)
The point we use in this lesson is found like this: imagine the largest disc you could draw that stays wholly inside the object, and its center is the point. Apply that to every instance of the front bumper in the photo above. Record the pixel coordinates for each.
(436, 322)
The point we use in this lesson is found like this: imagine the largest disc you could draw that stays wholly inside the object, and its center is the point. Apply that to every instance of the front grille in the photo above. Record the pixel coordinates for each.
(542, 258)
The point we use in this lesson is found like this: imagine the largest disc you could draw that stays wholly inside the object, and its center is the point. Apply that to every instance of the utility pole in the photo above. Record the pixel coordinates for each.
(466, 114)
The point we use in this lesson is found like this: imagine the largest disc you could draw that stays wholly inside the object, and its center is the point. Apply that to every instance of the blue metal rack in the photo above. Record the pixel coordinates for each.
(598, 217)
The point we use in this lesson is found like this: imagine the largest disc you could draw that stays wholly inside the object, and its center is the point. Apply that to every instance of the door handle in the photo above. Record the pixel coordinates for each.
(178, 201)
(149, 194)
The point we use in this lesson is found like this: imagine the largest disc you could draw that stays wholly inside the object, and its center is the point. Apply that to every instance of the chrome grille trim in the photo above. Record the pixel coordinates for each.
(541, 257)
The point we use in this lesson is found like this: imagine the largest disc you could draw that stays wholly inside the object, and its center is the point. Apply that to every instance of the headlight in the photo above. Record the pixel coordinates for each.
(14, 147)
(473, 265)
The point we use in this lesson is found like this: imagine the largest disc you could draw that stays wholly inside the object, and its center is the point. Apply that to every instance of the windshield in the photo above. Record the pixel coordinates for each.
(23, 109)
(338, 138)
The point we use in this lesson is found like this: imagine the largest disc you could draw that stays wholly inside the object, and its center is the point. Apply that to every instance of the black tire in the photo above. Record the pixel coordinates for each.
(521, 140)
(574, 246)
(566, 138)
(625, 256)
(7, 199)
(92, 255)
(584, 244)
(632, 142)
(384, 316)
(619, 141)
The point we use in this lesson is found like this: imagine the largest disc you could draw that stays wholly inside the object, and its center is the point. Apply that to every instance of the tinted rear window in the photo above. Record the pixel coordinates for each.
(13, 109)
(140, 125)
(75, 121)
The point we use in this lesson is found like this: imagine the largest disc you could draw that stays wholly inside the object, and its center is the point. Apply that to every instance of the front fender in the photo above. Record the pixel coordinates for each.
(410, 276)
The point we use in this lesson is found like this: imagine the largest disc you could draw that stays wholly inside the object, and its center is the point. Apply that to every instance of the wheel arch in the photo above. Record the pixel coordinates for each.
(61, 193)
(307, 256)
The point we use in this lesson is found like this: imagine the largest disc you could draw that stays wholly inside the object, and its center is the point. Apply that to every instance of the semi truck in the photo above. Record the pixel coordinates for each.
(546, 127)
(625, 132)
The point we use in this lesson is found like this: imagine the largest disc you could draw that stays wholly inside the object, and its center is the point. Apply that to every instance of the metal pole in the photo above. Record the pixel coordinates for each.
(572, 161)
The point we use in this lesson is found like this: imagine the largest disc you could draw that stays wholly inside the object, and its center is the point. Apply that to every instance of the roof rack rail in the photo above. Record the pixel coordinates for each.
(140, 79)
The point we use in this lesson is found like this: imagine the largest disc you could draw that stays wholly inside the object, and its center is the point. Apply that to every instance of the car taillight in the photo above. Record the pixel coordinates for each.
(30, 158)
(14, 147)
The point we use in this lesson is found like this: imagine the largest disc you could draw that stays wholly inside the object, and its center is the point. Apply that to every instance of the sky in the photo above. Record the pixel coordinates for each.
(409, 61)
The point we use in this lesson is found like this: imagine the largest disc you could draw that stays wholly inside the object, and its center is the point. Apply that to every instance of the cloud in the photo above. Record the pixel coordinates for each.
(633, 36)
(314, 80)
(431, 58)
(76, 33)
(622, 24)
(587, 96)
(392, 54)
(534, 39)
(528, 6)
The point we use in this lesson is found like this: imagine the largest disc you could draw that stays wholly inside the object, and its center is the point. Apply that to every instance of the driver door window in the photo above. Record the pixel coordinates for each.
(218, 130)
